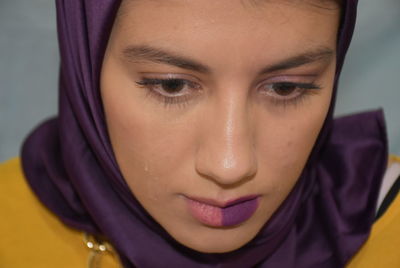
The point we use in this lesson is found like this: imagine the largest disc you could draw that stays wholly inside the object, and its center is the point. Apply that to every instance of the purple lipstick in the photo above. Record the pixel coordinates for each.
(217, 214)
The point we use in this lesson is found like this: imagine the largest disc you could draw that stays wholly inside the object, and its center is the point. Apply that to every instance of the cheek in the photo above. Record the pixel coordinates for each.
(161, 149)
(285, 143)
(149, 150)
(142, 138)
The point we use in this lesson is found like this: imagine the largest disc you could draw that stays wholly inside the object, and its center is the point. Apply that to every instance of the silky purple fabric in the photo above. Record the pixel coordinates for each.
(69, 164)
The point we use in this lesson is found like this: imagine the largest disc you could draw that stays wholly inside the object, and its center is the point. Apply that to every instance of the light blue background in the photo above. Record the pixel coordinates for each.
(29, 68)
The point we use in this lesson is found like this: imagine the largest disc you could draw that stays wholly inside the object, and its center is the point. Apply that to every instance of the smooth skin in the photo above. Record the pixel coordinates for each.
(250, 84)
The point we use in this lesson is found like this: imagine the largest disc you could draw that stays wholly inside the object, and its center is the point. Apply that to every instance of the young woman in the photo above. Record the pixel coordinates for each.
(200, 134)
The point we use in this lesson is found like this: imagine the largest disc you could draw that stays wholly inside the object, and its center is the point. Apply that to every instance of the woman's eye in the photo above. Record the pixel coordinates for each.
(287, 91)
(284, 89)
(170, 90)
(168, 87)
(172, 86)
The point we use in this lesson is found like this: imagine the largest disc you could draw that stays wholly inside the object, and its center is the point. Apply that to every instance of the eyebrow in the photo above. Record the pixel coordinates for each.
(147, 53)
(157, 55)
(321, 53)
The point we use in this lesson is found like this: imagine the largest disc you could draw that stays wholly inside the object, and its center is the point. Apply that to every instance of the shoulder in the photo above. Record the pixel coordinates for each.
(381, 249)
(31, 236)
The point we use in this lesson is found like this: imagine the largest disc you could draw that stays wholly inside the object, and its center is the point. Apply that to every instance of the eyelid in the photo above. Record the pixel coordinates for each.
(152, 86)
(166, 76)
(290, 78)
(155, 86)
(157, 81)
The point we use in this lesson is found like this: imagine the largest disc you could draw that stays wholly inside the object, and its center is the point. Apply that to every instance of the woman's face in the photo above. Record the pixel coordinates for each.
(213, 108)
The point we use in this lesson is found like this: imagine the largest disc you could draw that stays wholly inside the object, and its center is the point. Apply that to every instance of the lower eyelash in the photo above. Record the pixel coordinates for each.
(307, 92)
(180, 101)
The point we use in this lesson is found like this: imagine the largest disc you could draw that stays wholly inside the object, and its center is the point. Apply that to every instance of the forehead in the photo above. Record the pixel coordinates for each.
(186, 11)
(324, 4)
(242, 37)
(208, 8)
(235, 14)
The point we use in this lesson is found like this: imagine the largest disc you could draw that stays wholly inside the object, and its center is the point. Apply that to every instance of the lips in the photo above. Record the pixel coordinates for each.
(223, 214)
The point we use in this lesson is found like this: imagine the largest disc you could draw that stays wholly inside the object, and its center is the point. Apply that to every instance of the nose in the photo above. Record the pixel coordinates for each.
(226, 153)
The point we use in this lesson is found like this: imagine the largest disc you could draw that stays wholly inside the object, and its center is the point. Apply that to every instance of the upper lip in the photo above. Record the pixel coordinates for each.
(223, 204)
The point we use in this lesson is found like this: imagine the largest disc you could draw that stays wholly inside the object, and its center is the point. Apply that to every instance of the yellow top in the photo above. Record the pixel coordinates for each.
(382, 250)
(32, 236)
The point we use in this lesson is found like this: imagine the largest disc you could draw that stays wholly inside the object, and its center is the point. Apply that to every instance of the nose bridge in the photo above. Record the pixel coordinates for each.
(226, 153)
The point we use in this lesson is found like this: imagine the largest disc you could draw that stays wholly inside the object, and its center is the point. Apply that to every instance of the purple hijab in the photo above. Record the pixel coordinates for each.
(69, 163)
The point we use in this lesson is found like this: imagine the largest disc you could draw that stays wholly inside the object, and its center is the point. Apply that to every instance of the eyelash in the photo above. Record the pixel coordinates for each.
(303, 89)
(150, 83)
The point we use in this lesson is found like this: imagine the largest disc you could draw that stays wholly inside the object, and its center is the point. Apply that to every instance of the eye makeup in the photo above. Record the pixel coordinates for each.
(170, 91)
(178, 91)
(288, 93)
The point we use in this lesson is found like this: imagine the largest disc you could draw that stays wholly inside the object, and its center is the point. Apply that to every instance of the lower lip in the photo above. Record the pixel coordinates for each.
(223, 217)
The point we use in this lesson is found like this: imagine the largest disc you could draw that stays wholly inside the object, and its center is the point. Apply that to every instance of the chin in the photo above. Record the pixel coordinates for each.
(218, 241)
(211, 247)
(217, 249)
